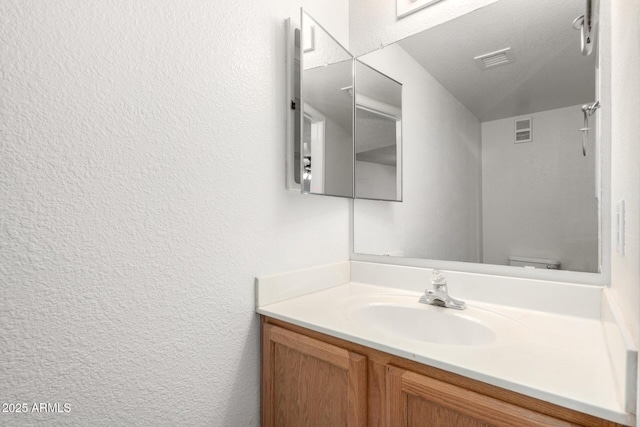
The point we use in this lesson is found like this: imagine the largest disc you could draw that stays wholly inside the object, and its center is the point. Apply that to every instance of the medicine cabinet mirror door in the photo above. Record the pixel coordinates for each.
(378, 135)
(492, 119)
(325, 113)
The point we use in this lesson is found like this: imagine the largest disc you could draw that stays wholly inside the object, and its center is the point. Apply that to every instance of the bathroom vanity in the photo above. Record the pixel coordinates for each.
(337, 351)
(313, 379)
(540, 342)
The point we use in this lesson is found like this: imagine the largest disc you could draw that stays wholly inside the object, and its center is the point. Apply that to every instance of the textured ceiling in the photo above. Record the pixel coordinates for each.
(323, 89)
(549, 71)
(373, 84)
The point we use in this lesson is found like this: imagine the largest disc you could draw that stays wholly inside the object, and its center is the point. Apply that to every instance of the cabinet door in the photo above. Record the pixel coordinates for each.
(306, 382)
(416, 400)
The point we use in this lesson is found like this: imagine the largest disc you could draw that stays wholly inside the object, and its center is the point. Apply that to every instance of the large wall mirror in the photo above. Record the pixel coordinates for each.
(494, 170)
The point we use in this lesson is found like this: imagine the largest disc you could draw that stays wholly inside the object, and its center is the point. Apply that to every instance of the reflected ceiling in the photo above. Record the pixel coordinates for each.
(549, 72)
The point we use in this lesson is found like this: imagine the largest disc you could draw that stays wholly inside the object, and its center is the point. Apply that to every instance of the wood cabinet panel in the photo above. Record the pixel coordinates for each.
(369, 387)
(377, 394)
(421, 413)
(310, 383)
(417, 400)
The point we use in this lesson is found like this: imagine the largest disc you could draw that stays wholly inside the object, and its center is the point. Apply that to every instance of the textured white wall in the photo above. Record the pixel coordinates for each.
(437, 161)
(538, 197)
(142, 187)
(625, 153)
(620, 22)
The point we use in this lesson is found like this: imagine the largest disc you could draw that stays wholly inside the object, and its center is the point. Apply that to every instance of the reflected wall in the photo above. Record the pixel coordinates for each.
(474, 192)
(327, 154)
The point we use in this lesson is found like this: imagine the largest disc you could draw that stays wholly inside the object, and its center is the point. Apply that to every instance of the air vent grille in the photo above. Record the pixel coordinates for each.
(494, 59)
(523, 136)
(523, 130)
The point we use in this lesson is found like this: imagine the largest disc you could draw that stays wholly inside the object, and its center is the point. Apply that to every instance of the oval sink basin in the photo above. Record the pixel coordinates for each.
(425, 324)
(407, 319)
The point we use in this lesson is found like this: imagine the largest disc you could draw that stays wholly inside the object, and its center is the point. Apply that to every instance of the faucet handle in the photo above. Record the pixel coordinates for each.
(437, 278)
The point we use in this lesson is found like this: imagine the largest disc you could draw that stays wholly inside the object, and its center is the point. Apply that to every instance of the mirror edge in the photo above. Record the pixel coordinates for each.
(292, 64)
(563, 276)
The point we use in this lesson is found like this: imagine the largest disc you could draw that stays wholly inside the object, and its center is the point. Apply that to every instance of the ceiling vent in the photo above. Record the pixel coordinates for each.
(494, 59)
(523, 130)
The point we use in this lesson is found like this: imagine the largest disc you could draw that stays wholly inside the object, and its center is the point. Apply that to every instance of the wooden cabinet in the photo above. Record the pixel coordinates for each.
(419, 401)
(311, 379)
(307, 382)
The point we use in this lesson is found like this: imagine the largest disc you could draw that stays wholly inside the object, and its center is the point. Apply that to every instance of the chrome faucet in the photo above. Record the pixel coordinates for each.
(439, 295)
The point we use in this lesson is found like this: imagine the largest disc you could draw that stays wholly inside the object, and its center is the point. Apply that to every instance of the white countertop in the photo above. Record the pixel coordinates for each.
(553, 357)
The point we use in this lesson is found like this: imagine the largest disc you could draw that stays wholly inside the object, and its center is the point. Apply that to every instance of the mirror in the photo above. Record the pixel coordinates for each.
(326, 151)
(378, 135)
(493, 167)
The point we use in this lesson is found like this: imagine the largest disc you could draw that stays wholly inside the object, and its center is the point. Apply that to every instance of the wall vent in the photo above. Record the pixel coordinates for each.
(493, 59)
(523, 130)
